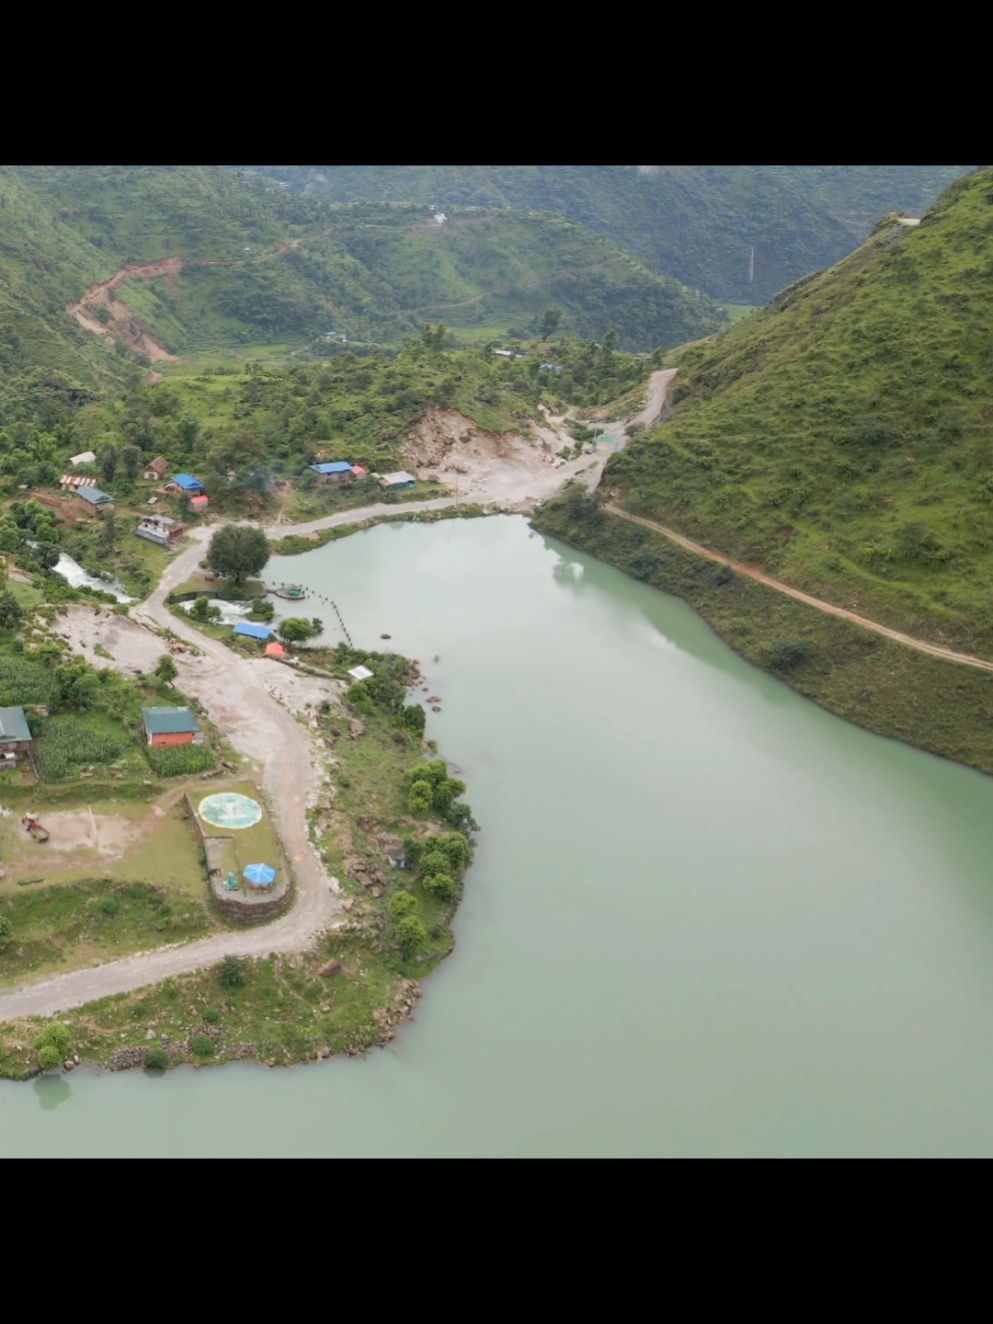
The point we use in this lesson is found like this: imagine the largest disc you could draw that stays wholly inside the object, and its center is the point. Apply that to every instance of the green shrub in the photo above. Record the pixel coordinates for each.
(202, 1045)
(402, 904)
(180, 760)
(56, 1037)
(440, 885)
(166, 669)
(230, 973)
(419, 798)
(789, 654)
(48, 1057)
(156, 1059)
(108, 906)
(138, 1009)
(412, 933)
(6, 928)
(212, 1015)
(204, 610)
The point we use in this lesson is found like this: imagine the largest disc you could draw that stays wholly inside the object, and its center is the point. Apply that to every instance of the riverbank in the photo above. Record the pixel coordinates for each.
(940, 706)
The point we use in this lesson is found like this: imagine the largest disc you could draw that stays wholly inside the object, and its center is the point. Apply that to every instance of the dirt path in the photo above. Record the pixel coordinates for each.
(933, 650)
(123, 320)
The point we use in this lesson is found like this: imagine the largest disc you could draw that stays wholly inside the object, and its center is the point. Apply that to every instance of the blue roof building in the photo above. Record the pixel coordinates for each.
(335, 467)
(188, 483)
(250, 631)
(335, 472)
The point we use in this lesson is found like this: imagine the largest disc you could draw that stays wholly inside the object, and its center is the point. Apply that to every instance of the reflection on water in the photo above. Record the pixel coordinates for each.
(51, 1091)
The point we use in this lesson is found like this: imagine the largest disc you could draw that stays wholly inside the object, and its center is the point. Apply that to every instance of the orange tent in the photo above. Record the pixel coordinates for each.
(274, 650)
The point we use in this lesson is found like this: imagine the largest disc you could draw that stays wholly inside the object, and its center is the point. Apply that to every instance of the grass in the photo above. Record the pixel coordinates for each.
(843, 437)
(285, 1012)
(58, 927)
(738, 311)
(317, 502)
(165, 851)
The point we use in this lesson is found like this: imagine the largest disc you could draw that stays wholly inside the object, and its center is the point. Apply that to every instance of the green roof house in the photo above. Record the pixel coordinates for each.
(169, 726)
(15, 735)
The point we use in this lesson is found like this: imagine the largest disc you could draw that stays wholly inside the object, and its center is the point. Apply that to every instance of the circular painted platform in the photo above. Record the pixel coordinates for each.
(228, 809)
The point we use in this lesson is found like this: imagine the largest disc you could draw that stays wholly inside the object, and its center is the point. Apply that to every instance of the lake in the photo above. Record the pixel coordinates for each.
(704, 918)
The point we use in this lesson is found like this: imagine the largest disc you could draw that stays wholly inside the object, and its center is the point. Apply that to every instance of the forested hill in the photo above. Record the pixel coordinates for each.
(843, 437)
(257, 265)
(696, 223)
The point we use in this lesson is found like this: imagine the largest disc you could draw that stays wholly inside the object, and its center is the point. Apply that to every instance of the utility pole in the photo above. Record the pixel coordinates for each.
(751, 265)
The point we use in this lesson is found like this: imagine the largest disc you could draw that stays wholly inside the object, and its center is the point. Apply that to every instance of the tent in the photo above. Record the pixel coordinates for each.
(260, 874)
(274, 650)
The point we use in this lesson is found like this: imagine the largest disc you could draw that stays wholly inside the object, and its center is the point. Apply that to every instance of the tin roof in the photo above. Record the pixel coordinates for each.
(13, 725)
(335, 467)
(167, 721)
(94, 496)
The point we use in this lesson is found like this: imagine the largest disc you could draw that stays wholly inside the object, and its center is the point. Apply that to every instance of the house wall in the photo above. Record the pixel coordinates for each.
(172, 738)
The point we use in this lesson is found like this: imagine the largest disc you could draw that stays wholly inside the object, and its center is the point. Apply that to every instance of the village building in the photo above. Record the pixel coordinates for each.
(15, 735)
(154, 471)
(160, 529)
(169, 726)
(338, 471)
(398, 482)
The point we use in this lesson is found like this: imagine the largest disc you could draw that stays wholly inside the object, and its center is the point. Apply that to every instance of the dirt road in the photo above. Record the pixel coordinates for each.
(921, 645)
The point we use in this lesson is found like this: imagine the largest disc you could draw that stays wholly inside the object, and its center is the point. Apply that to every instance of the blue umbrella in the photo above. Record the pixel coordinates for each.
(259, 874)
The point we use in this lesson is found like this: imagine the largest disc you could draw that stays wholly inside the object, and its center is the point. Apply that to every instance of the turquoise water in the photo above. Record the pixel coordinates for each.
(704, 917)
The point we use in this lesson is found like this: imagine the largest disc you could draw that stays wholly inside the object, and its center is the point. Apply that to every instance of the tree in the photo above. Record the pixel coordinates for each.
(6, 929)
(230, 973)
(131, 461)
(52, 1045)
(296, 629)
(205, 610)
(10, 611)
(262, 610)
(412, 933)
(107, 461)
(440, 885)
(188, 430)
(550, 319)
(108, 528)
(238, 552)
(419, 798)
(167, 669)
(74, 687)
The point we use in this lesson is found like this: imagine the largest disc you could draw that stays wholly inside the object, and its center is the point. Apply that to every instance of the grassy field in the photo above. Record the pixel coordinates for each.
(70, 907)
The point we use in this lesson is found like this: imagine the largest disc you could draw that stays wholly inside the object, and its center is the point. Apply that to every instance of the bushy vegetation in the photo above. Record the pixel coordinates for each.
(180, 760)
(385, 692)
(697, 223)
(64, 744)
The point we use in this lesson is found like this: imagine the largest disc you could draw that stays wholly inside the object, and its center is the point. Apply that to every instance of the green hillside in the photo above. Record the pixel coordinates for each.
(265, 268)
(696, 223)
(843, 437)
